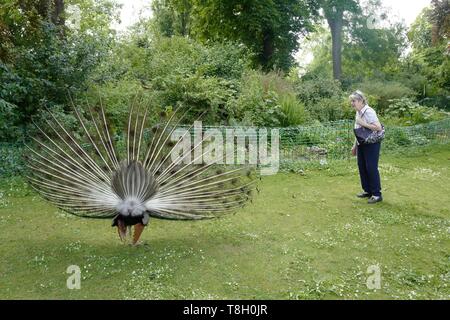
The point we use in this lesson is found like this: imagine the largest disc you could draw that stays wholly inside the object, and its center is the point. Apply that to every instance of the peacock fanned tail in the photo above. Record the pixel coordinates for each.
(98, 175)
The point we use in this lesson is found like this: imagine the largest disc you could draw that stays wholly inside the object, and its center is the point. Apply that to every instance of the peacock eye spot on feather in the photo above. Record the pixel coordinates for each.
(163, 114)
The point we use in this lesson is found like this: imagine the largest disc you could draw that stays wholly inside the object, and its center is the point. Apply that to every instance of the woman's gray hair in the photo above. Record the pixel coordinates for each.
(358, 95)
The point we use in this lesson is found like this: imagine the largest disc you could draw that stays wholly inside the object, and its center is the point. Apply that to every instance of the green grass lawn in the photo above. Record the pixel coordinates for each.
(305, 236)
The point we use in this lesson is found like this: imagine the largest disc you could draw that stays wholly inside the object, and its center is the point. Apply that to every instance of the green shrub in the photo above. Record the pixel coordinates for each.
(182, 56)
(324, 99)
(210, 95)
(11, 159)
(381, 92)
(44, 67)
(266, 99)
(409, 112)
(396, 137)
(255, 107)
(172, 72)
(116, 96)
(312, 91)
(8, 117)
(331, 109)
(294, 111)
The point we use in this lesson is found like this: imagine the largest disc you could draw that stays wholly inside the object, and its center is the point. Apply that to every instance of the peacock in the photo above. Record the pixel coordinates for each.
(132, 175)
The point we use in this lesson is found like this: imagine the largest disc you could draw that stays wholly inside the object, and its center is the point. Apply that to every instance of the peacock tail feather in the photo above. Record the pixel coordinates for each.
(96, 175)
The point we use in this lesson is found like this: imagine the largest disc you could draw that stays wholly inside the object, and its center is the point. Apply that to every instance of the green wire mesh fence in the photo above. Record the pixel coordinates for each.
(319, 142)
(333, 141)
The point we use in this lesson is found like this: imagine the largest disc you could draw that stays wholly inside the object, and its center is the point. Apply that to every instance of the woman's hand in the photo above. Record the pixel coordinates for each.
(361, 122)
(354, 150)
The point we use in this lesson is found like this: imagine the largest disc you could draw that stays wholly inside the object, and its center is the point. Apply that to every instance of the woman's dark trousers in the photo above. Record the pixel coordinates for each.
(368, 155)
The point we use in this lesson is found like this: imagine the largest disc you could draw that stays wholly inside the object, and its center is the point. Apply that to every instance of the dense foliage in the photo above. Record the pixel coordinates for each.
(233, 61)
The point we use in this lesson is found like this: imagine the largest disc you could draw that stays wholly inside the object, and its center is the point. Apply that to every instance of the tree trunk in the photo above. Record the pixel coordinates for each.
(185, 18)
(58, 13)
(335, 24)
(267, 49)
(184, 23)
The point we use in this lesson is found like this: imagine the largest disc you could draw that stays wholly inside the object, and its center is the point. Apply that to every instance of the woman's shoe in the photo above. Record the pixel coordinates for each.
(375, 199)
(363, 195)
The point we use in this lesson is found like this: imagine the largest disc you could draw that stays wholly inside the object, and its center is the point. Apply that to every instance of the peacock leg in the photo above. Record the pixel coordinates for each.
(122, 229)
(138, 228)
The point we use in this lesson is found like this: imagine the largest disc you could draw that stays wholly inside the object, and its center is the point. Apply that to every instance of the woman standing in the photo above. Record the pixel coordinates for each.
(367, 154)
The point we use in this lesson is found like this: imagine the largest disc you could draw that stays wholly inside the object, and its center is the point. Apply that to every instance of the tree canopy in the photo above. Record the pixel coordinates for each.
(234, 59)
